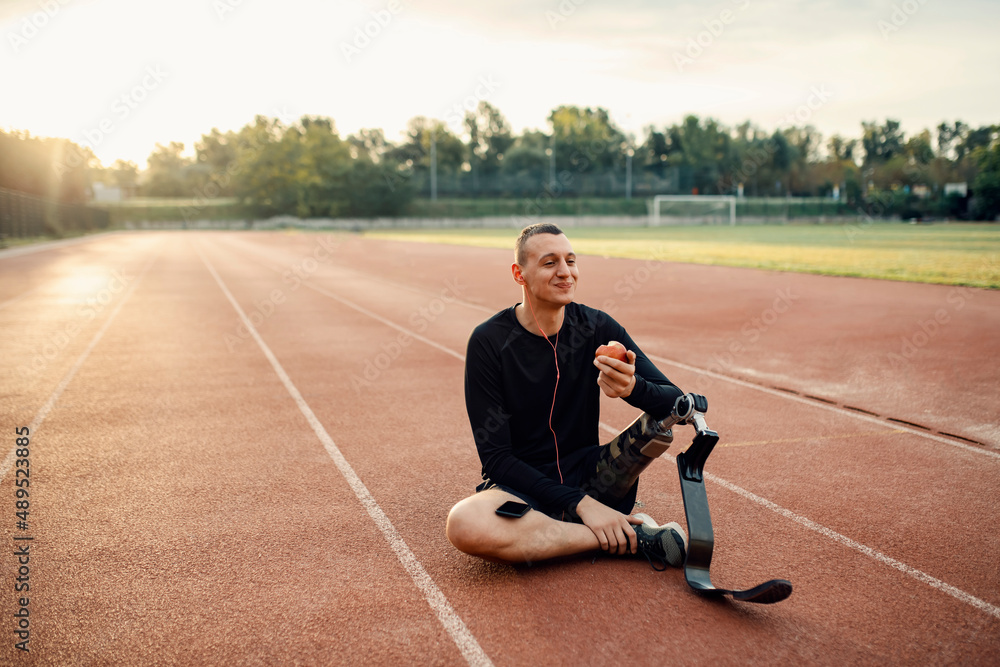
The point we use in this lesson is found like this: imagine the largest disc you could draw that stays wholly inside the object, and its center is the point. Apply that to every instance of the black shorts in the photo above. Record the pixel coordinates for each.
(577, 470)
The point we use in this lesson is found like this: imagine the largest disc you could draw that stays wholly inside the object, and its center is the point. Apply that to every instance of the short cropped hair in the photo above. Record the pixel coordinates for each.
(527, 233)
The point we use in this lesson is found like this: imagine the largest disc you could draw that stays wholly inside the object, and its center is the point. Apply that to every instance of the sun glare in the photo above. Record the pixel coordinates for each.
(86, 286)
(120, 76)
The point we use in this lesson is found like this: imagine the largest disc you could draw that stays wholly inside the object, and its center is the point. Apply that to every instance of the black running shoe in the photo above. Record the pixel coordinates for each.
(665, 544)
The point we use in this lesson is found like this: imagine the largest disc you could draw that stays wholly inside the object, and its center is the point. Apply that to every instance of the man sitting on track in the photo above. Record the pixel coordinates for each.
(534, 405)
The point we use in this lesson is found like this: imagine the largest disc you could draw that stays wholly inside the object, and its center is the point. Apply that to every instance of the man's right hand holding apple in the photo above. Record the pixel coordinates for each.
(617, 377)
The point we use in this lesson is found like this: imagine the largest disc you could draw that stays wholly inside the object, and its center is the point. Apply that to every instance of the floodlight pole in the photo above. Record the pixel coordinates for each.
(434, 184)
(552, 165)
(628, 175)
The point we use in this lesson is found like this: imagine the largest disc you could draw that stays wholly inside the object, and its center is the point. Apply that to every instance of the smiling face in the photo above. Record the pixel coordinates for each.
(549, 271)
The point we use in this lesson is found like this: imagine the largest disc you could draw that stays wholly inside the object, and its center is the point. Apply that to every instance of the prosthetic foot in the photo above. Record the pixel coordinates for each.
(690, 409)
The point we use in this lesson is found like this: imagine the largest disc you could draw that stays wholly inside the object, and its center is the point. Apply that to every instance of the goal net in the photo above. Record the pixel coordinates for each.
(691, 209)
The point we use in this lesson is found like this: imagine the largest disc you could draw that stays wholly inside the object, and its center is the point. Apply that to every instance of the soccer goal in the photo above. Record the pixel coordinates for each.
(711, 209)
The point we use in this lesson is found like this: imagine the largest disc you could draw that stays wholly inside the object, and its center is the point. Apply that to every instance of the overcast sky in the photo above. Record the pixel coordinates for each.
(121, 75)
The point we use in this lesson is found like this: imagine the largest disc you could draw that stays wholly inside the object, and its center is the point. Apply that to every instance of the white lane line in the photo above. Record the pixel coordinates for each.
(957, 593)
(453, 624)
(832, 408)
(808, 523)
(71, 373)
(695, 369)
(354, 273)
(868, 551)
(365, 311)
(11, 302)
(388, 323)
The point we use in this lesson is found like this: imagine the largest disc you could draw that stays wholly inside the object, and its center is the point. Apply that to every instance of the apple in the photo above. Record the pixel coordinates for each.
(613, 349)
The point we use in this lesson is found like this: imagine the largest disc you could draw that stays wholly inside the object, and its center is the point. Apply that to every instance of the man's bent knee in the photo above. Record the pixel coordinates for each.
(470, 528)
(462, 526)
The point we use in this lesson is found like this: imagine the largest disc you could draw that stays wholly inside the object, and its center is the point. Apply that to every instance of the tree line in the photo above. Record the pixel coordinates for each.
(306, 168)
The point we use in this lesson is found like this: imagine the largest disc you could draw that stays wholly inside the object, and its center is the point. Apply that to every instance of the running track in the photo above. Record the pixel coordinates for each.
(244, 447)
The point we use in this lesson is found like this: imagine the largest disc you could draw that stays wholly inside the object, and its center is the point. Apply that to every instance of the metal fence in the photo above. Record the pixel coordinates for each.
(26, 216)
(561, 183)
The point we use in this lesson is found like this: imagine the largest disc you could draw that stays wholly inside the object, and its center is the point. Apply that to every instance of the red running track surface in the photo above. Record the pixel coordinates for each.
(204, 495)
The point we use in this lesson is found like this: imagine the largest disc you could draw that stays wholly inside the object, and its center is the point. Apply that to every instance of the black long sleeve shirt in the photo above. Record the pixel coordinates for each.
(510, 376)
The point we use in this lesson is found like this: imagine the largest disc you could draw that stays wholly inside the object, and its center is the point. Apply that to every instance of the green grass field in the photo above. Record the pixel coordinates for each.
(949, 254)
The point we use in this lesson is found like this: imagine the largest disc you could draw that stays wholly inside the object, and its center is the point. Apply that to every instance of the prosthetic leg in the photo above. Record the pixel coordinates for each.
(690, 409)
(625, 457)
(635, 448)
